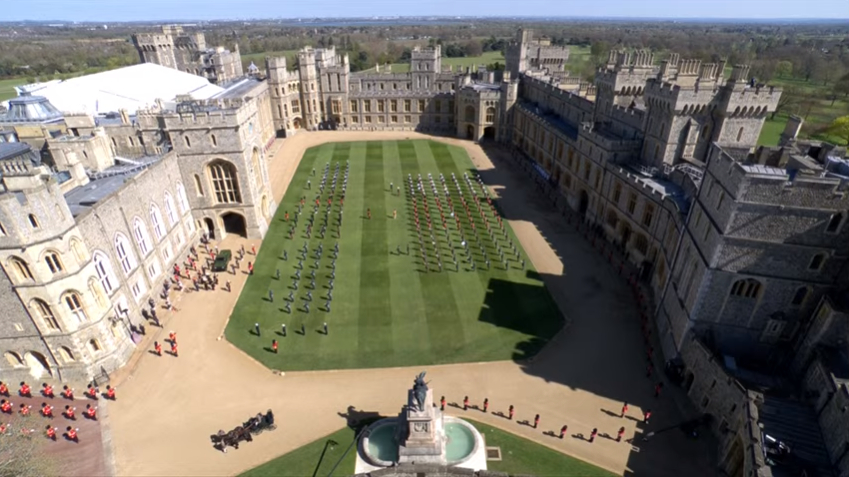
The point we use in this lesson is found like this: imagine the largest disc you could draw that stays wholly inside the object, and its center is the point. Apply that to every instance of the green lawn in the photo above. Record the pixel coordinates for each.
(487, 58)
(7, 87)
(519, 456)
(386, 310)
(772, 129)
(259, 58)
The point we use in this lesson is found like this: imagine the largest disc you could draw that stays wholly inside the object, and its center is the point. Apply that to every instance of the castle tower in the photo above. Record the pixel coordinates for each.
(157, 48)
(516, 60)
(741, 109)
(312, 109)
(509, 95)
(425, 65)
(621, 82)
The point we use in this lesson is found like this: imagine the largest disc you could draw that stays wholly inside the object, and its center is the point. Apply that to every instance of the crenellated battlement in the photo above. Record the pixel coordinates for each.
(419, 53)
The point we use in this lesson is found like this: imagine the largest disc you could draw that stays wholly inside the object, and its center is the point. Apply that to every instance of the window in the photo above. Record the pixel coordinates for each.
(641, 244)
(103, 269)
(142, 238)
(394, 118)
(44, 312)
(125, 253)
(94, 345)
(224, 182)
(437, 106)
(97, 292)
(746, 288)
(381, 106)
(834, 223)
(169, 209)
(408, 105)
(2, 231)
(490, 115)
(367, 106)
(33, 221)
(296, 106)
(153, 270)
(648, 215)
(156, 220)
(719, 200)
(213, 140)
(632, 203)
(705, 132)
(816, 262)
(53, 263)
(799, 296)
(75, 306)
(256, 167)
(381, 119)
(188, 141)
(408, 119)
(422, 105)
(470, 114)
(181, 196)
(393, 106)
(354, 106)
(612, 218)
(181, 238)
(21, 269)
(14, 359)
(739, 134)
(67, 354)
(191, 225)
(167, 252)
(355, 120)
(138, 289)
(335, 107)
(79, 251)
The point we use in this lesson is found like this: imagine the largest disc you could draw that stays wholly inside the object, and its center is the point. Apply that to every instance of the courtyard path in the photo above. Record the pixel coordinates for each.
(169, 406)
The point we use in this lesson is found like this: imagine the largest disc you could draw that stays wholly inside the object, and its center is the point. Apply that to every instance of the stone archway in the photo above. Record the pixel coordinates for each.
(37, 364)
(489, 132)
(234, 223)
(296, 123)
(210, 227)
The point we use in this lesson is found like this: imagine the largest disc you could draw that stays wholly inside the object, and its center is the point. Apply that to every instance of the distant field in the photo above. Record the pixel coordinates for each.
(259, 58)
(7, 87)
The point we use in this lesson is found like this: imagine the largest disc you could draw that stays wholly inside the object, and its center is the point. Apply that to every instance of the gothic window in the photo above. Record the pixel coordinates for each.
(67, 354)
(834, 223)
(53, 263)
(225, 182)
(169, 209)
(94, 345)
(198, 186)
(181, 197)
(800, 296)
(632, 203)
(648, 215)
(97, 292)
(156, 220)
(141, 236)
(79, 251)
(816, 262)
(103, 268)
(470, 114)
(44, 312)
(746, 288)
(490, 115)
(14, 359)
(33, 221)
(256, 166)
(641, 243)
(21, 269)
(353, 106)
(125, 253)
(75, 306)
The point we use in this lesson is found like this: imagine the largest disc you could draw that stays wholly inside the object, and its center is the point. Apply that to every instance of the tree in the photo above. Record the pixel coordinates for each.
(842, 86)
(840, 128)
(599, 51)
(788, 101)
(783, 69)
(473, 48)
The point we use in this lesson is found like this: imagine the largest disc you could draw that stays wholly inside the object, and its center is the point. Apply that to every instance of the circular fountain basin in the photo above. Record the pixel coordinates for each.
(460, 442)
(381, 445)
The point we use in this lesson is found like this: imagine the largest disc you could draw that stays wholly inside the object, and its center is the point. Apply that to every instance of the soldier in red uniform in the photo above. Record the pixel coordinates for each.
(158, 348)
(4, 390)
(47, 390)
(25, 390)
(536, 421)
(47, 410)
(91, 391)
(50, 432)
(274, 346)
(69, 413)
(68, 392)
(485, 404)
(442, 403)
(563, 431)
(174, 348)
(620, 434)
(5, 406)
(24, 410)
(110, 392)
(511, 411)
(71, 434)
(90, 412)
(624, 409)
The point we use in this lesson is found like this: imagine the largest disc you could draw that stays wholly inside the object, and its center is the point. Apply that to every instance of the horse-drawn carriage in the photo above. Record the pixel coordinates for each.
(253, 426)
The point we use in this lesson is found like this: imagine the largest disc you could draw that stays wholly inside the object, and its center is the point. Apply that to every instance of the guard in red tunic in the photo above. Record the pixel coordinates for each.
(47, 390)
(67, 392)
(90, 412)
(25, 390)
(50, 432)
(71, 434)
(69, 413)
(91, 391)
(24, 410)
(5, 407)
(47, 410)
(563, 431)
(174, 348)
(624, 409)
(466, 403)
(442, 403)
(4, 390)
(110, 393)
(620, 434)
(536, 421)
(485, 404)
(157, 348)
(250, 268)
(511, 411)
(274, 346)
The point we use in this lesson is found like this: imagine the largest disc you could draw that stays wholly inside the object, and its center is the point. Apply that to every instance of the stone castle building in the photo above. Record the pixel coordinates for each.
(188, 52)
(742, 248)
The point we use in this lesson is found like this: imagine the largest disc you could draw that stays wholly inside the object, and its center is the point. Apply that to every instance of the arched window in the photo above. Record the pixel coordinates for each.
(75, 306)
(198, 186)
(142, 238)
(14, 359)
(43, 311)
(188, 141)
(746, 288)
(125, 253)
(33, 221)
(97, 292)
(490, 115)
(103, 268)
(817, 262)
(739, 134)
(213, 140)
(156, 220)
(181, 196)
(470, 114)
(53, 263)
(94, 345)
(834, 222)
(255, 165)
(169, 209)
(67, 354)
(800, 296)
(21, 269)
(225, 182)
(78, 249)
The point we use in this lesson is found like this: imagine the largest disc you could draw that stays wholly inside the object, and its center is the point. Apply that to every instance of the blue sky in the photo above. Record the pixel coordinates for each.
(157, 10)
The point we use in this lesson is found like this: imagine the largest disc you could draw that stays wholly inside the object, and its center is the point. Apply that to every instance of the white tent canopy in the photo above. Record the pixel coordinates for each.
(131, 88)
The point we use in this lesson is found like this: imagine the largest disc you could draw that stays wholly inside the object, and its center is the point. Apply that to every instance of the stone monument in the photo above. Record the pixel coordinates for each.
(421, 436)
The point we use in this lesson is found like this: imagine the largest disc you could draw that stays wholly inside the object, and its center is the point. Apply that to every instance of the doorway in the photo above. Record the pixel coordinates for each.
(489, 132)
(210, 227)
(235, 224)
(470, 132)
(296, 123)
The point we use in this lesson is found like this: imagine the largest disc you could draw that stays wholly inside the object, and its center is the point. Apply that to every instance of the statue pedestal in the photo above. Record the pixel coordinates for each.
(424, 439)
